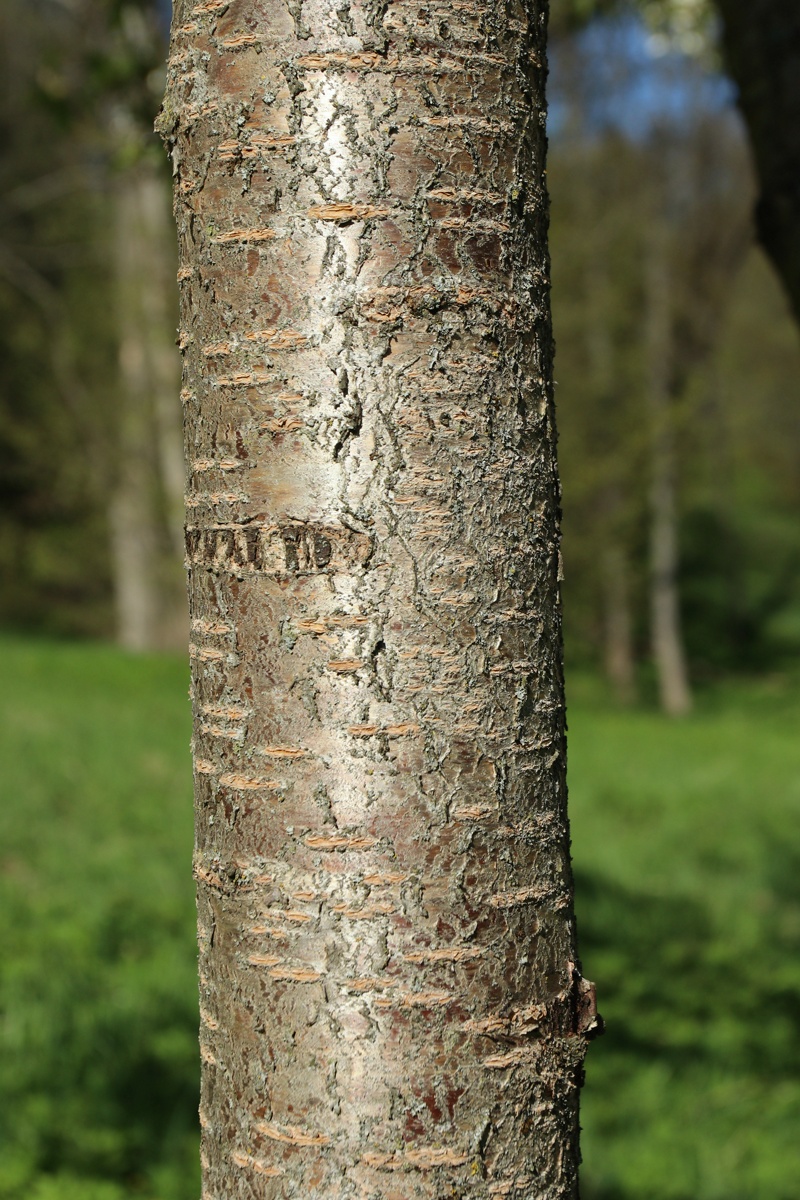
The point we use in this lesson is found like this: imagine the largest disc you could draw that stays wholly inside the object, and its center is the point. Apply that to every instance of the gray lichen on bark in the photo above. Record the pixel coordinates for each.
(389, 995)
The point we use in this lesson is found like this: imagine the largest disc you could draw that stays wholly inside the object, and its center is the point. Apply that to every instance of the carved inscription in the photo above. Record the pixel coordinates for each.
(295, 548)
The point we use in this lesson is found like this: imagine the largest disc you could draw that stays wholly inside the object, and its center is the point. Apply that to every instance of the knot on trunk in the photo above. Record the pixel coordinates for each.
(586, 1020)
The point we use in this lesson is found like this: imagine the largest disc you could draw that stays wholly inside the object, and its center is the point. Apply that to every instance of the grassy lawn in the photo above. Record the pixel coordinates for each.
(98, 1075)
(687, 851)
(686, 839)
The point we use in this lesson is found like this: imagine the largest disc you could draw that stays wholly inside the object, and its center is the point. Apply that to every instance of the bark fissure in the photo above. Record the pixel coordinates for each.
(389, 996)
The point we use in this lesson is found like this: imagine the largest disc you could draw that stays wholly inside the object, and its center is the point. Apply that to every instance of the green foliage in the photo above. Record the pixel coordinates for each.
(80, 84)
(568, 15)
(98, 1045)
(56, 353)
(110, 53)
(734, 382)
(688, 865)
(741, 579)
(740, 537)
(688, 26)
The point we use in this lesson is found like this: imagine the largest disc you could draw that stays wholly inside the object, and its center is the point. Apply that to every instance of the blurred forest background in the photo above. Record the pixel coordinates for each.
(679, 408)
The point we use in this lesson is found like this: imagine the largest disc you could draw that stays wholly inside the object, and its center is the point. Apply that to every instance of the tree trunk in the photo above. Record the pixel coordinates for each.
(618, 654)
(158, 302)
(667, 639)
(761, 40)
(619, 658)
(146, 519)
(390, 1000)
(133, 517)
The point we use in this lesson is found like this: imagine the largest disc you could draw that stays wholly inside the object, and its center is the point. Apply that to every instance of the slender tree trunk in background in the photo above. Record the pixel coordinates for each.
(391, 1005)
(160, 314)
(667, 639)
(668, 651)
(147, 502)
(618, 655)
(133, 517)
(159, 334)
(618, 625)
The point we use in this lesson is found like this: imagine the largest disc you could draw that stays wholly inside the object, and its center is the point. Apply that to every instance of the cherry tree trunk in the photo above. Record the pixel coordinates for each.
(390, 1001)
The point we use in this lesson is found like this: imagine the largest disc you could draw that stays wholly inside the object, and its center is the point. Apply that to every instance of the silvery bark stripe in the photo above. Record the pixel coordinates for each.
(389, 999)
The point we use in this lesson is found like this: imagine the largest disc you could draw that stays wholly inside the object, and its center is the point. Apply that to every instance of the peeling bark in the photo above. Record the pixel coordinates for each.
(390, 1000)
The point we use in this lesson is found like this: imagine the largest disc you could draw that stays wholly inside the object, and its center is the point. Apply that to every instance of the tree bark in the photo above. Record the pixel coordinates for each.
(667, 638)
(390, 1000)
(761, 40)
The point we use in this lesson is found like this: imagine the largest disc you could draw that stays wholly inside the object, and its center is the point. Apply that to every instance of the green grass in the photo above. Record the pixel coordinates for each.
(98, 1074)
(686, 839)
(687, 851)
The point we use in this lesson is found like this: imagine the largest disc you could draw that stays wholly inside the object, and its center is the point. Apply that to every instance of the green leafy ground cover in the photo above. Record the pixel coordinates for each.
(687, 848)
(686, 840)
(98, 1060)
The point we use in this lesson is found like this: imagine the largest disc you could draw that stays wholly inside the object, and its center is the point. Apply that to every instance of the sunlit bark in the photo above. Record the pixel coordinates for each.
(391, 1005)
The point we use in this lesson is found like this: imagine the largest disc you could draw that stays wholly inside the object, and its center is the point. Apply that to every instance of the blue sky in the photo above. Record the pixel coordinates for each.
(165, 9)
(623, 85)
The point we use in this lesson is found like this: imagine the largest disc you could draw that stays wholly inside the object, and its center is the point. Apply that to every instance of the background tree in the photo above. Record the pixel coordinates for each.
(146, 507)
(761, 47)
(52, 420)
(117, 77)
(93, 528)
(662, 202)
(697, 234)
(762, 51)
(596, 263)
